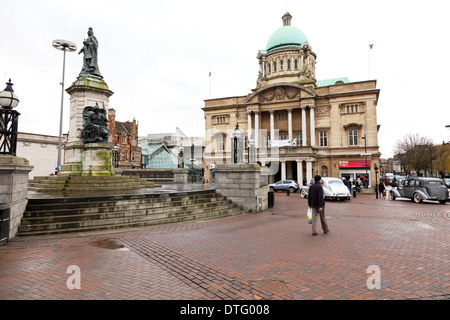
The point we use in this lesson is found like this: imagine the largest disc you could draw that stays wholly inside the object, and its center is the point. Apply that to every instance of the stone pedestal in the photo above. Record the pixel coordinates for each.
(14, 189)
(244, 184)
(97, 160)
(85, 91)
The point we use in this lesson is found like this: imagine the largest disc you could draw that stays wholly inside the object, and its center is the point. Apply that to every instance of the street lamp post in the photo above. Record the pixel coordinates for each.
(180, 157)
(376, 180)
(9, 119)
(365, 154)
(64, 46)
(192, 162)
(237, 145)
(116, 154)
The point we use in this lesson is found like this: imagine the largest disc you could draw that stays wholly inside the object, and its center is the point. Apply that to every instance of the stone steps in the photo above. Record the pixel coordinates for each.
(82, 183)
(68, 215)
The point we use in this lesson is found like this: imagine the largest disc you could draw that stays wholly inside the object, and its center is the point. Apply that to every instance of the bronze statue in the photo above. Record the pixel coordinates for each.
(90, 48)
(95, 125)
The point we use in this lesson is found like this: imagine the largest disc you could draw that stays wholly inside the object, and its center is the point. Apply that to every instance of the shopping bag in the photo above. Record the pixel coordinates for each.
(309, 215)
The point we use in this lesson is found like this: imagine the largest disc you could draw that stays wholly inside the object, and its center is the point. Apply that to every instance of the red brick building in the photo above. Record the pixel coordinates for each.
(125, 134)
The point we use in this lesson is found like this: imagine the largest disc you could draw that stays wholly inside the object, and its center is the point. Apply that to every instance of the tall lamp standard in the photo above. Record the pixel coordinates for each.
(64, 46)
(365, 154)
(376, 180)
(9, 119)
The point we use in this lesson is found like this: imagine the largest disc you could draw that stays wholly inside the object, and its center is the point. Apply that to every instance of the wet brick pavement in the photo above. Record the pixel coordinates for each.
(265, 256)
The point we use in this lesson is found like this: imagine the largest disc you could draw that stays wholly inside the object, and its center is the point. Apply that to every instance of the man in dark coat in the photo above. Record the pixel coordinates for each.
(316, 201)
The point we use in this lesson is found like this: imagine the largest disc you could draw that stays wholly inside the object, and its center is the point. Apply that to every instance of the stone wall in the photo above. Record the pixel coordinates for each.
(14, 189)
(244, 184)
(169, 175)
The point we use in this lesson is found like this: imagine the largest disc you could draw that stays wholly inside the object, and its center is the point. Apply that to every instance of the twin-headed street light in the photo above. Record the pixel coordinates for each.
(64, 46)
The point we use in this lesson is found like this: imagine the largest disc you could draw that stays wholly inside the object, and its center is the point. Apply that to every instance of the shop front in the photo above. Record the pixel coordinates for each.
(354, 170)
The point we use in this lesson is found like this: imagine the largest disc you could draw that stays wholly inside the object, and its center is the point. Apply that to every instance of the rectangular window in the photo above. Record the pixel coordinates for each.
(352, 137)
(274, 67)
(124, 140)
(323, 138)
(289, 64)
(295, 64)
(283, 137)
(220, 143)
(299, 138)
(281, 65)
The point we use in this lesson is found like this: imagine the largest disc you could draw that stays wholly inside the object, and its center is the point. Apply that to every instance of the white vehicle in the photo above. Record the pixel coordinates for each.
(333, 188)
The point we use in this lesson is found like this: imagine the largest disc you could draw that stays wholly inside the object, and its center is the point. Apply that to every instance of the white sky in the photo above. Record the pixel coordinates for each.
(156, 56)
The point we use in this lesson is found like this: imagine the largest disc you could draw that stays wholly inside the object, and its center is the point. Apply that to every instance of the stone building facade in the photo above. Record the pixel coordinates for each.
(125, 134)
(300, 126)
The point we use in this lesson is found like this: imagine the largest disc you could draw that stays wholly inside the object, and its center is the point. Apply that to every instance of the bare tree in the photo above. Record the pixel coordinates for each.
(415, 152)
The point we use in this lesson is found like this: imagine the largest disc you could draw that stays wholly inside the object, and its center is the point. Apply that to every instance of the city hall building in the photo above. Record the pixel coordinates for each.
(299, 125)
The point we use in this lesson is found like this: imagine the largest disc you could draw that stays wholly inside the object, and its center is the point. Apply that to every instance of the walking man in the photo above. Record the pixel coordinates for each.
(316, 202)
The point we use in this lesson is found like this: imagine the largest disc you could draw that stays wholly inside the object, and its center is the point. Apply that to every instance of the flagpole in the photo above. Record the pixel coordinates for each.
(210, 83)
(369, 60)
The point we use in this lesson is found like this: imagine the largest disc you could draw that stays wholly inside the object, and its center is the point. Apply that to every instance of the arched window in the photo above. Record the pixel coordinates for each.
(289, 64)
(281, 65)
(295, 64)
(269, 67)
(275, 66)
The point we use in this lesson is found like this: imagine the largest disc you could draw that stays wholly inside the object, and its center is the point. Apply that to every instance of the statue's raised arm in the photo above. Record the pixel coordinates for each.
(90, 61)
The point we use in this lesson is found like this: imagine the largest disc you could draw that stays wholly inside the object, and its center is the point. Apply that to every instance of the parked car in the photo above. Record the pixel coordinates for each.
(447, 184)
(290, 185)
(418, 189)
(333, 188)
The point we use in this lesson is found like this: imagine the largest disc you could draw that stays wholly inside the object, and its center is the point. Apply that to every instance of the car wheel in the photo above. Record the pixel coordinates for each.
(416, 198)
(272, 189)
(291, 190)
(303, 193)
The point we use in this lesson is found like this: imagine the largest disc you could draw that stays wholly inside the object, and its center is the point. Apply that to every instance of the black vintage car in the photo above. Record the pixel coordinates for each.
(418, 189)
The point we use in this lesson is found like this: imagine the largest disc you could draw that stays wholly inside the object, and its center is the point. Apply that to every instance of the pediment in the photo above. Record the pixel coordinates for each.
(279, 92)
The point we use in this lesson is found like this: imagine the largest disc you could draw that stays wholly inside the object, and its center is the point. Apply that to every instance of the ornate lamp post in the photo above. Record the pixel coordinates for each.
(8, 120)
(116, 155)
(64, 46)
(180, 157)
(236, 143)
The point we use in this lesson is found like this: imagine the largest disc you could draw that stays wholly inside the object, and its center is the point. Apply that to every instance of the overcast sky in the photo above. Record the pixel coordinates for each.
(156, 57)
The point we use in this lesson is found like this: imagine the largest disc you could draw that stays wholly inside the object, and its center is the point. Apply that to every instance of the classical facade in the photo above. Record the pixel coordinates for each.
(125, 135)
(299, 125)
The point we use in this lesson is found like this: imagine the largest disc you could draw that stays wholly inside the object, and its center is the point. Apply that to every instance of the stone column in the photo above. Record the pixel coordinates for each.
(312, 125)
(14, 189)
(304, 135)
(283, 170)
(300, 172)
(257, 129)
(272, 125)
(308, 171)
(290, 124)
(249, 124)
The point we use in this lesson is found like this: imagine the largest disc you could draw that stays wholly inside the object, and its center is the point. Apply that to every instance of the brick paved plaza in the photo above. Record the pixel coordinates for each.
(264, 256)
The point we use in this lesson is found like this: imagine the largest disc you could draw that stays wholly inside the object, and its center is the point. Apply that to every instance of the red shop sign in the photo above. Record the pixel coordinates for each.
(354, 164)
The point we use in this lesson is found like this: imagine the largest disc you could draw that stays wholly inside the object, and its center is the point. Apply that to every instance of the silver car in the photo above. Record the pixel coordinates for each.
(284, 185)
(333, 188)
(419, 188)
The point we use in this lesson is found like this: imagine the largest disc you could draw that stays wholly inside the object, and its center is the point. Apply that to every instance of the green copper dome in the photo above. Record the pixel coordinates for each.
(286, 35)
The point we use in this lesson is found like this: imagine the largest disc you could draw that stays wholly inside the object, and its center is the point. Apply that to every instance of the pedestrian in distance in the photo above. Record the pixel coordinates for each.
(316, 201)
